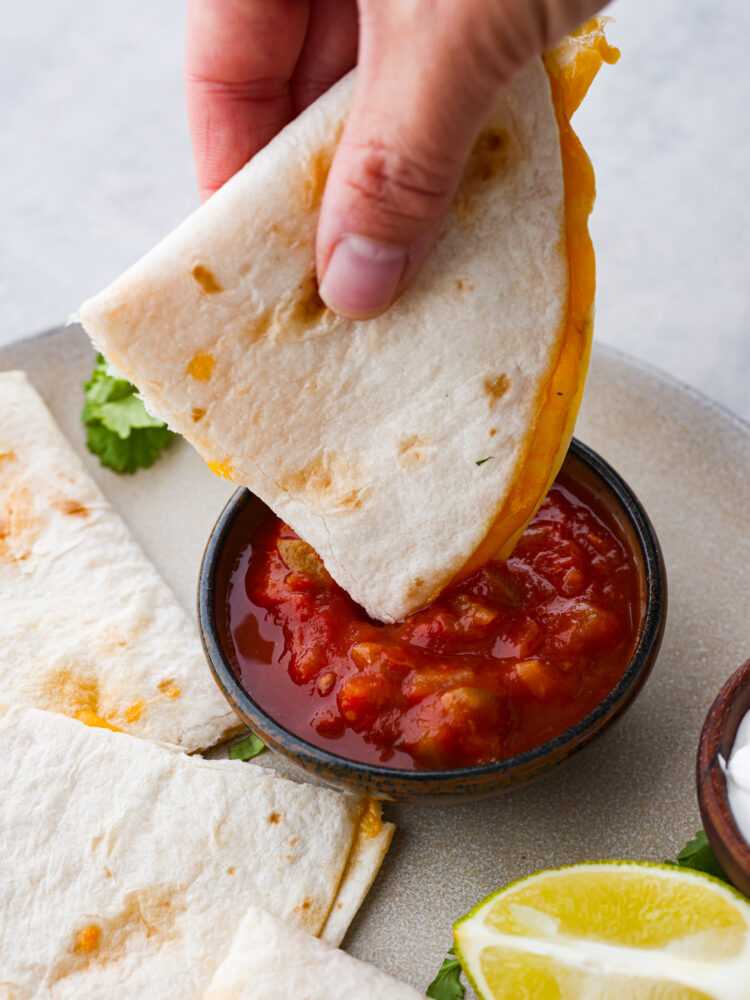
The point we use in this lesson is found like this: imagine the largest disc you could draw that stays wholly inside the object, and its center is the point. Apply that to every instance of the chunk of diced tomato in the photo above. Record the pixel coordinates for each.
(362, 697)
(428, 680)
(585, 628)
(328, 722)
(541, 679)
(454, 727)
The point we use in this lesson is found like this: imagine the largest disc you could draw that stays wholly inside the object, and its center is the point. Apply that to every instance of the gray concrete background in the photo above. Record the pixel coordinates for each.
(95, 167)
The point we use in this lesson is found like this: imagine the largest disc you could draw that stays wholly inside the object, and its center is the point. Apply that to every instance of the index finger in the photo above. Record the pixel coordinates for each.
(239, 59)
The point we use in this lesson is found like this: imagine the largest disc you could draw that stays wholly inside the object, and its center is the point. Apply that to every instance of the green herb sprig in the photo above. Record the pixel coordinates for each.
(247, 748)
(447, 983)
(118, 428)
(697, 854)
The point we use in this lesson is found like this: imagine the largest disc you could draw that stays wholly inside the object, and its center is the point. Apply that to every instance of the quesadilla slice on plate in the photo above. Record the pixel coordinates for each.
(127, 867)
(409, 448)
(269, 959)
(87, 625)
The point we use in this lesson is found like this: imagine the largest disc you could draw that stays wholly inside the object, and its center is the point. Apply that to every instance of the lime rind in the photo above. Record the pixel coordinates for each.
(689, 872)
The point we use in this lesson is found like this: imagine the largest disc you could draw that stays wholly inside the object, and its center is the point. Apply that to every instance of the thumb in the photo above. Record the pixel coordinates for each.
(426, 84)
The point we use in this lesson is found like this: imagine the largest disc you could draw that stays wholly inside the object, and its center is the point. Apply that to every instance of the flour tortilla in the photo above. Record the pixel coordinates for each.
(127, 867)
(87, 626)
(390, 445)
(270, 960)
(365, 858)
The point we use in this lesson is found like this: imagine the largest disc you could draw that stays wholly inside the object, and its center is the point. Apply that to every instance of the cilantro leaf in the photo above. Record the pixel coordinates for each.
(697, 854)
(483, 460)
(126, 414)
(447, 985)
(247, 748)
(119, 429)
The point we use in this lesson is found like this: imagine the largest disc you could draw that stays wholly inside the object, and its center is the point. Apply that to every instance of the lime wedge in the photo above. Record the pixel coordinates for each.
(610, 929)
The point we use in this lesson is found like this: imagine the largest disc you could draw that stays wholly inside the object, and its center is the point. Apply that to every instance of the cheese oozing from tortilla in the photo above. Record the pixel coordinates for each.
(572, 68)
(408, 448)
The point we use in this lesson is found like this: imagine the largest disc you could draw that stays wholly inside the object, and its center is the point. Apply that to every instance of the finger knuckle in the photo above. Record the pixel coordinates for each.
(395, 184)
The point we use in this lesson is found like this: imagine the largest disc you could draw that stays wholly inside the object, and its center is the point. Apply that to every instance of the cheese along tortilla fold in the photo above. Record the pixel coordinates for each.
(269, 959)
(407, 448)
(127, 867)
(87, 625)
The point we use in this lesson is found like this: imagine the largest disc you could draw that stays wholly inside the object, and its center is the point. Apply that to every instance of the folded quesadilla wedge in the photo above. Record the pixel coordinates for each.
(87, 625)
(127, 867)
(269, 959)
(405, 449)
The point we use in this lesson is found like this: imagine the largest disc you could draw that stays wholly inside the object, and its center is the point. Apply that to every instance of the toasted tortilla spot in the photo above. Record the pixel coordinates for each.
(293, 318)
(145, 913)
(207, 281)
(493, 431)
(198, 414)
(464, 285)
(71, 507)
(326, 480)
(274, 817)
(231, 870)
(88, 939)
(68, 692)
(201, 367)
(491, 158)
(259, 326)
(316, 169)
(311, 385)
(496, 388)
(311, 915)
(19, 524)
(168, 688)
(8, 456)
(308, 306)
(351, 501)
(412, 451)
(112, 316)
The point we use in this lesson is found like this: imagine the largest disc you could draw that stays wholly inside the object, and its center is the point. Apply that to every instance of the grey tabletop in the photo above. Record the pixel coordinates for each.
(95, 166)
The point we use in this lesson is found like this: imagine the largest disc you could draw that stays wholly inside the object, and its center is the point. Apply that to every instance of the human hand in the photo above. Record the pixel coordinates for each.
(429, 73)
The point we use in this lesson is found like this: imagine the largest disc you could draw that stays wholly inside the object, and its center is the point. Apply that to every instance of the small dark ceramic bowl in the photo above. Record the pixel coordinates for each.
(717, 738)
(234, 527)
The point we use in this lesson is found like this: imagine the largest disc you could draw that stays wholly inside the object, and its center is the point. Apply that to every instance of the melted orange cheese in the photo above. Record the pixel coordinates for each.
(201, 367)
(371, 822)
(135, 711)
(89, 718)
(571, 68)
(88, 939)
(224, 469)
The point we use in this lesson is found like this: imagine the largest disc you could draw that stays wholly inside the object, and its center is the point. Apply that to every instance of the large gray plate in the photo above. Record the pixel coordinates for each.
(631, 794)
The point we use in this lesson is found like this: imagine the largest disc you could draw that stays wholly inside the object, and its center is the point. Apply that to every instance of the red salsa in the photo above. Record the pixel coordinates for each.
(502, 661)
